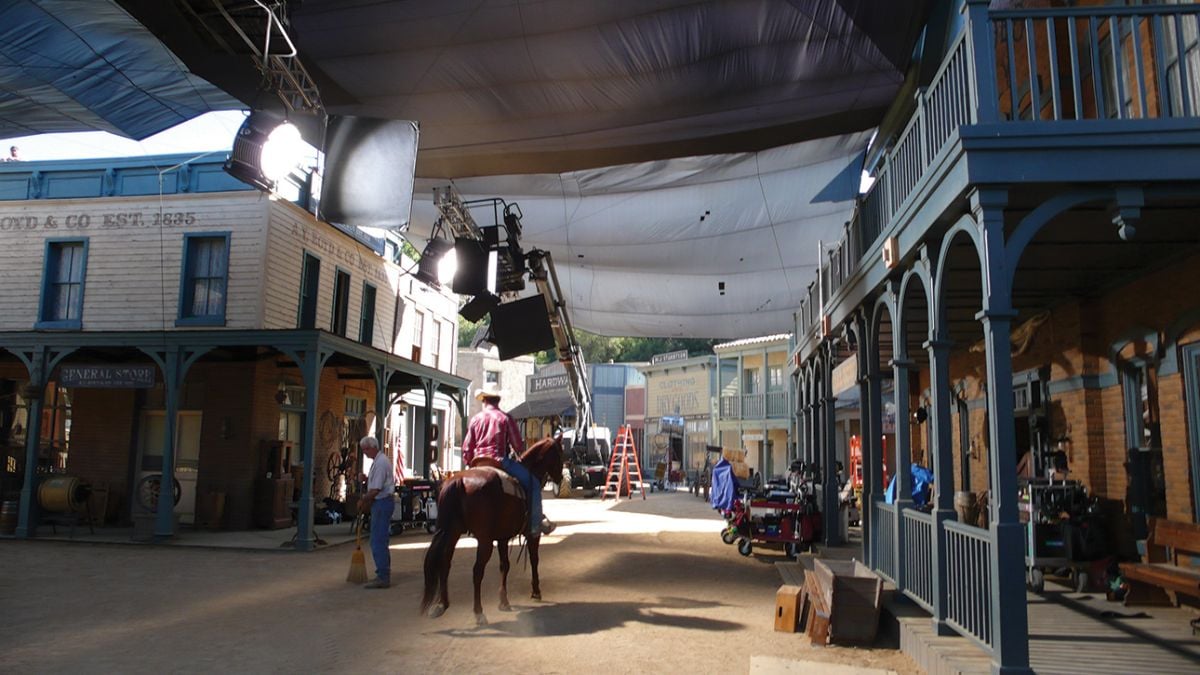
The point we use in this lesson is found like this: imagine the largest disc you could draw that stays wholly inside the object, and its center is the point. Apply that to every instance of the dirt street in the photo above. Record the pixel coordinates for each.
(632, 587)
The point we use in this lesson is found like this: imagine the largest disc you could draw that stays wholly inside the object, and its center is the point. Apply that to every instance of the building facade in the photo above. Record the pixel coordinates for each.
(486, 368)
(755, 410)
(682, 389)
(173, 326)
(1009, 287)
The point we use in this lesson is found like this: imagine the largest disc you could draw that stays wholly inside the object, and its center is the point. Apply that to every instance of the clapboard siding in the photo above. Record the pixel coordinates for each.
(294, 232)
(135, 245)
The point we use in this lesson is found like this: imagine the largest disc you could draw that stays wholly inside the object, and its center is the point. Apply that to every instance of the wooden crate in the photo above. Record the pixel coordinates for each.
(816, 621)
(787, 607)
(852, 592)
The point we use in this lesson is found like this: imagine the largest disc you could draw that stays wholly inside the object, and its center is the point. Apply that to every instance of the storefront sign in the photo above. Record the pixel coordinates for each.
(680, 355)
(684, 394)
(548, 383)
(108, 377)
(845, 375)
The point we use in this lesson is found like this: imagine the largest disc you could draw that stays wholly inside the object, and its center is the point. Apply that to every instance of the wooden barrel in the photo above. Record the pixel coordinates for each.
(62, 494)
(8, 516)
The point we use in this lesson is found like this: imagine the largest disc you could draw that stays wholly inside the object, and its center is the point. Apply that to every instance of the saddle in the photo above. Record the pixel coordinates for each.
(511, 486)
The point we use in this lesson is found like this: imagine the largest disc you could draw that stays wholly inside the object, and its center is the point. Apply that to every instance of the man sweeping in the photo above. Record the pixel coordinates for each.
(380, 499)
(492, 433)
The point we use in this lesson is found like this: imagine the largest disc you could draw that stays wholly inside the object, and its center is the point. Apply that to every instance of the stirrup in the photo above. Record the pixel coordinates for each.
(547, 527)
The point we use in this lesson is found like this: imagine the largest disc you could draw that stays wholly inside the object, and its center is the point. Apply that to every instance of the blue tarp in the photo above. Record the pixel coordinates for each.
(922, 478)
(723, 486)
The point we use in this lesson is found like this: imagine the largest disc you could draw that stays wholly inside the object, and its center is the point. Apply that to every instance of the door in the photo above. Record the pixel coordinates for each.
(187, 455)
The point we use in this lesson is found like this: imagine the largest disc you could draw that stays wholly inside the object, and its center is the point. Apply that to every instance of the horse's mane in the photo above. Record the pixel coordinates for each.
(536, 453)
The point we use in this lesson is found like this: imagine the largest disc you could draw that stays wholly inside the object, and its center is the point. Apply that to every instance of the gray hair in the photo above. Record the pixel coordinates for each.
(369, 442)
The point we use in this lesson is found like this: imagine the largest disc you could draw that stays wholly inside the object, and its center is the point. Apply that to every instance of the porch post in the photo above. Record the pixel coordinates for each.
(38, 372)
(869, 420)
(382, 409)
(901, 367)
(311, 362)
(1009, 620)
(941, 445)
(164, 519)
(830, 507)
(425, 438)
(982, 59)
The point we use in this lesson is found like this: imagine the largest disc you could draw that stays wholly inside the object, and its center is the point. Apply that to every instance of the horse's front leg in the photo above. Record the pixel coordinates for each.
(533, 563)
(504, 566)
(482, 556)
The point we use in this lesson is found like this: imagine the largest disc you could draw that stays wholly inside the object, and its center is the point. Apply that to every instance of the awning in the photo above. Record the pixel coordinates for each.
(551, 407)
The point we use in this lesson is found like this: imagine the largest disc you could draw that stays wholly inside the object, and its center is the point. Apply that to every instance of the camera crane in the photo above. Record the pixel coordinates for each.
(511, 267)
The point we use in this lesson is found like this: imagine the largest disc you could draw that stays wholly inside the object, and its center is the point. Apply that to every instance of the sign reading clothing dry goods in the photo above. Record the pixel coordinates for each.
(108, 377)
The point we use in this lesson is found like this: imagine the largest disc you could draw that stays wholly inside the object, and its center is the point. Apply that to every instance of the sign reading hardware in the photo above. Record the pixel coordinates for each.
(538, 385)
(108, 377)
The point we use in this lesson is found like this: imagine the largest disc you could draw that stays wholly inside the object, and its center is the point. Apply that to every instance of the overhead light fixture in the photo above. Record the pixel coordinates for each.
(438, 263)
(479, 306)
(266, 149)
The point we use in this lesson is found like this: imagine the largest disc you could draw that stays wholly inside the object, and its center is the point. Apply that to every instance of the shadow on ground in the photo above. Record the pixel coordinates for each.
(578, 618)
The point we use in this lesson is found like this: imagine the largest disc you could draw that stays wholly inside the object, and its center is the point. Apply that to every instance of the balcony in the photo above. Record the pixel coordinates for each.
(772, 405)
(1013, 77)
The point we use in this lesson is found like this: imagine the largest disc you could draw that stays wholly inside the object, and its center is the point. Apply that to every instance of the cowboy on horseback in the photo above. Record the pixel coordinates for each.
(492, 433)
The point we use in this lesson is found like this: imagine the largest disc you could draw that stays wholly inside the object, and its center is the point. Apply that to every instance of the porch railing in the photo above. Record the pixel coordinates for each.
(1049, 65)
(884, 525)
(968, 588)
(777, 404)
(918, 556)
(773, 404)
(731, 407)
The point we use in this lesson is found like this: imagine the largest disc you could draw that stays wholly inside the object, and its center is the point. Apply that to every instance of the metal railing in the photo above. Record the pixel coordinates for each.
(918, 556)
(1057, 65)
(884, 525)
(1097, 63)
(968, 587)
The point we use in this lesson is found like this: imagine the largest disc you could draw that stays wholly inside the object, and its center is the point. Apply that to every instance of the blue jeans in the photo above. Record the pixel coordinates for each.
(381, 524)
(534, 492)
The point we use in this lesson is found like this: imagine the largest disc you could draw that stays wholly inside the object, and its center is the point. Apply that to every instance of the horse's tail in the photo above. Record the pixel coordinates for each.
(450, 505)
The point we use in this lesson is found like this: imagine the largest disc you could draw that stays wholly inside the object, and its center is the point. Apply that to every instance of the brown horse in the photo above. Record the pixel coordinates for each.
(474, 501)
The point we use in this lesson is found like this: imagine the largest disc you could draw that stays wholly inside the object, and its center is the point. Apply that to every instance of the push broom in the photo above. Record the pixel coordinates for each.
(358, 564)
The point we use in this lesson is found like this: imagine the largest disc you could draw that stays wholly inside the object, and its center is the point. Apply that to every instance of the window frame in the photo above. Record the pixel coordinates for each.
(366, 330)
(339, 312)
(304, 269)
(42, 322)
(186, 280)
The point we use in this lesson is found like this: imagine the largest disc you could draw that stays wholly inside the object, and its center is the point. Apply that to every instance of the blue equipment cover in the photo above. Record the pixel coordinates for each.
(723, 484)
(922, 478)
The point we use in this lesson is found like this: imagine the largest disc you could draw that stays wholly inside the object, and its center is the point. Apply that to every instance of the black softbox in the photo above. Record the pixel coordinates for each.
(521, 327)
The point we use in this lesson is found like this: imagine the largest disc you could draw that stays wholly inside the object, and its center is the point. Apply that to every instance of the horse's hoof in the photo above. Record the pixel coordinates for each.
(480, 620)
(436, 611)
(536, 596)
(505, 607)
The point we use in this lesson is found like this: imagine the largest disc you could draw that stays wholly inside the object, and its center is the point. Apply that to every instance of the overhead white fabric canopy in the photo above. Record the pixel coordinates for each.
(643, 249)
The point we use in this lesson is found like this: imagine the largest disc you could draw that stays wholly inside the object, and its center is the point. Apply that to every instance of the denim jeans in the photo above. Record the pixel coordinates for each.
(534, 492)
(381, 524)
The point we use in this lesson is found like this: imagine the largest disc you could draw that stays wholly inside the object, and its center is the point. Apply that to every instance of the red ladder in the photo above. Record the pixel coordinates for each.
(624, 469)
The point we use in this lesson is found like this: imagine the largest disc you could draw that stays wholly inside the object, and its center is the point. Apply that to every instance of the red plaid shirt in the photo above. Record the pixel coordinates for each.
(491, 429)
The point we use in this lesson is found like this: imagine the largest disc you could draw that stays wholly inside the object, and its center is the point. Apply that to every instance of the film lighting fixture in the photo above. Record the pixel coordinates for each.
(265, 150)
(438, 263)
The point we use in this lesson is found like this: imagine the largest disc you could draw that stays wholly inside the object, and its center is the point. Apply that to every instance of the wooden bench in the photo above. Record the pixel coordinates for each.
(1163, 575)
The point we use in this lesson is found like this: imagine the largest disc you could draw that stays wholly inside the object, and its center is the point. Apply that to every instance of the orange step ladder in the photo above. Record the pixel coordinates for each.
(624, 469)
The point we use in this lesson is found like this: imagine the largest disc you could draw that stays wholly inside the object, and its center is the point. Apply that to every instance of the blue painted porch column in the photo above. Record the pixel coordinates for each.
(869, 423)
(1010, 620)
(164, 519)
(831, 506)
(383, 409)
(421, 461)
(901, 367)
(311, 362)
(943, 467)
(40, 362)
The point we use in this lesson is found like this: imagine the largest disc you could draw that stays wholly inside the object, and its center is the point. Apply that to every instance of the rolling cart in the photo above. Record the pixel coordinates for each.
(416, 505)
(1058, 532)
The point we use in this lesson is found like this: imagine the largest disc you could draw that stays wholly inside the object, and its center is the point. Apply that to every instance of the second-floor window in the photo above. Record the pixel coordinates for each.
(491, 377)
(62, 284)
(204, 279)
(419, 333)
(341, 302)
(751, 381)
(366, 324)
(310, 284)
(435, 344)
(775, 380)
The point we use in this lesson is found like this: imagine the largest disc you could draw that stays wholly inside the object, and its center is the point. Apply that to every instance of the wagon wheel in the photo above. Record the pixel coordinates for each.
(148, 489)
(329, 430)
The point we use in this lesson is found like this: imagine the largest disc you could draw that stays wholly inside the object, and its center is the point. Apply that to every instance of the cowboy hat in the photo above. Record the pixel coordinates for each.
(488, 390)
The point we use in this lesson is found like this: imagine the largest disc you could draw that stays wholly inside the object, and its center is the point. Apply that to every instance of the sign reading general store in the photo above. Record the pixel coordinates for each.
(108, 377)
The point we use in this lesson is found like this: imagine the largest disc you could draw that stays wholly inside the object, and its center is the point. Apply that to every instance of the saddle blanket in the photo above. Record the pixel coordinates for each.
(510, 485)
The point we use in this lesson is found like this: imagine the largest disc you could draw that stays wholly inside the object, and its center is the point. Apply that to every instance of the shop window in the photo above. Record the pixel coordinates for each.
(341, 302)
(205, 276)
(310, 284)
(55, 435)
(491, 377)
(366, 324)
(62, 284)
(1140, 390)
(1146, 493)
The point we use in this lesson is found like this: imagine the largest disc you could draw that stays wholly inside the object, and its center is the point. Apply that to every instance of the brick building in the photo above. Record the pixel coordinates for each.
(1011, 286)
(175, 319)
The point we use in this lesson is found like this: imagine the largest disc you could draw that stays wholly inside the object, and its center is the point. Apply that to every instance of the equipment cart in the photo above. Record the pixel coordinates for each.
(416, 505)
(779, 518)
(1059, 532)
